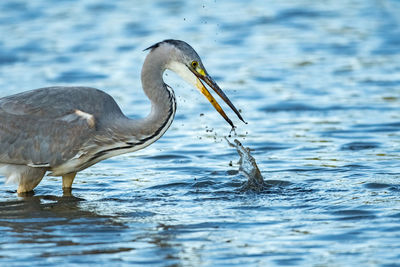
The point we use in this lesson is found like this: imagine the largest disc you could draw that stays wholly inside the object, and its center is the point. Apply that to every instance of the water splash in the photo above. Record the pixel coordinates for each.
(248, 166)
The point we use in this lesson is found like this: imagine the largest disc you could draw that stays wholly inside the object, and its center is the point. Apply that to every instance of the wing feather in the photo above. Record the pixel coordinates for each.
(49, 126)
(28, 141)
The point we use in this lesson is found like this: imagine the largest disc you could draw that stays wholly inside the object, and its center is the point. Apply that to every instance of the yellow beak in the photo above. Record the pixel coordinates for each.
(206, 78)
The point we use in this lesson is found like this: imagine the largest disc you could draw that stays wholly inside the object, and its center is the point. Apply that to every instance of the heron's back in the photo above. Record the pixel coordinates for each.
(48, 126)
(53, 102)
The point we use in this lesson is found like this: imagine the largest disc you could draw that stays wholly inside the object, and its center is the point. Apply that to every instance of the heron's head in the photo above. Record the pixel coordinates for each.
(183, 60)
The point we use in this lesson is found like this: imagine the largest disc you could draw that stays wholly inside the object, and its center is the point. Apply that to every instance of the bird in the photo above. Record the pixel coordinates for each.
(63, 130)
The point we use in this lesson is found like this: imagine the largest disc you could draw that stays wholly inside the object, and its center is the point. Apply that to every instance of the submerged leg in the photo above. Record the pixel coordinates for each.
(67, 180)
(29, 178)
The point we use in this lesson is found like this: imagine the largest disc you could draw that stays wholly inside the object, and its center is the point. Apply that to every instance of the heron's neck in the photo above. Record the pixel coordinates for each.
(128, 135)
(142, 132)
(162, 100)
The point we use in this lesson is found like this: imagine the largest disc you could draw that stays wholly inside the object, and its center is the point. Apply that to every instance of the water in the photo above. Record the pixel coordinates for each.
(248, 166)
(319, 84)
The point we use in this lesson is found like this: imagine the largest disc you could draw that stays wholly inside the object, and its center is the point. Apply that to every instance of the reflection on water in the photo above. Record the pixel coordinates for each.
(318, 83)
(53, 223)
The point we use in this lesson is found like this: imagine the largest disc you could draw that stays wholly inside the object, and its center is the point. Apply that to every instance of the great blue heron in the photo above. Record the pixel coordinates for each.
(64, 130)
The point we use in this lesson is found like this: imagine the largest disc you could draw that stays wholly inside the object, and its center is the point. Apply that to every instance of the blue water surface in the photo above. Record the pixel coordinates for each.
(318, 83)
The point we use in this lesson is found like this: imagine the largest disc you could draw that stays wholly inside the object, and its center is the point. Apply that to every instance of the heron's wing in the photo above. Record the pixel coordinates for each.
(54, 102)
(48, 126)
(43, 142)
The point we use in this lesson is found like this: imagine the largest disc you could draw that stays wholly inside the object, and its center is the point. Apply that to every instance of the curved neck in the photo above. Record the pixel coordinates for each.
(127, 135)
(143, 132)
(162, 98)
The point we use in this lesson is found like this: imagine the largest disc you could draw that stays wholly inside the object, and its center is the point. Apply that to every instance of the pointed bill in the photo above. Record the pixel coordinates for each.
(213, 102)
(206, 78)
(221, 94)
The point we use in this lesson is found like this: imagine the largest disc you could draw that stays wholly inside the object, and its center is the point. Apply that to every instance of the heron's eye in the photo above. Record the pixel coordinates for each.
(195, 64)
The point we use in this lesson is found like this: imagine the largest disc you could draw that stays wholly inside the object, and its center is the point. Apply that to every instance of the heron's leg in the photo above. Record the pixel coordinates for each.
(29, 179)
(67, 180)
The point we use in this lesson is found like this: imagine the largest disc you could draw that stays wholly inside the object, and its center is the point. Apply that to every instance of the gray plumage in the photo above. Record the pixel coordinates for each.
(63, 130)
(41, 127)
